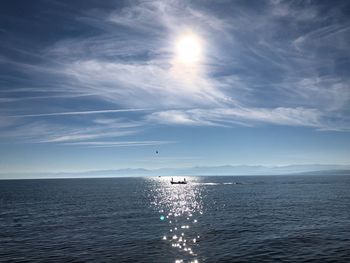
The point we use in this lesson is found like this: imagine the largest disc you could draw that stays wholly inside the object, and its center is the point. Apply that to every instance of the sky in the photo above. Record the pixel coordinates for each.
(95, 85)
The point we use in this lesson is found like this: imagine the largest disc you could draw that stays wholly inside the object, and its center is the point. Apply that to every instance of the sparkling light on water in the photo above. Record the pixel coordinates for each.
(180, 205)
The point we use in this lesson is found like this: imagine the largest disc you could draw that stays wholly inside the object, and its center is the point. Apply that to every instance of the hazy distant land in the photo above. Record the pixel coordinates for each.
(239, 170)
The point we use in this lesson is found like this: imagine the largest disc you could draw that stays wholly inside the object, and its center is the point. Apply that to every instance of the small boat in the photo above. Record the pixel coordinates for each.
(178, 182)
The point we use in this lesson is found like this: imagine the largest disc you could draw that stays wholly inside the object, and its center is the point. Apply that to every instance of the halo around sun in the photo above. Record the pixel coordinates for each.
(188, 49)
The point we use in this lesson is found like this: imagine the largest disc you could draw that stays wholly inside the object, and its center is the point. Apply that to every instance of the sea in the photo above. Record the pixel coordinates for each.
(210, 219)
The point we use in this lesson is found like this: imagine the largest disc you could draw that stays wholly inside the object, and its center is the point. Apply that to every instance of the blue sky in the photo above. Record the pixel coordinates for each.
(88, 85)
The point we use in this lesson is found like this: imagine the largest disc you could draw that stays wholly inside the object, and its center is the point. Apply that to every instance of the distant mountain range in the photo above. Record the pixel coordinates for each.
(313, 169)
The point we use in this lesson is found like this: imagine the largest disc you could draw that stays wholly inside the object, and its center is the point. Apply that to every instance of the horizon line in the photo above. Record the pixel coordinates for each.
(173, 168)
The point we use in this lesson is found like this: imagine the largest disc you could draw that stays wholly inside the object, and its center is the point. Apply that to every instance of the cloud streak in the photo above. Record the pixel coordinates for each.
(71, 113)
(242, 117)
(108, 144)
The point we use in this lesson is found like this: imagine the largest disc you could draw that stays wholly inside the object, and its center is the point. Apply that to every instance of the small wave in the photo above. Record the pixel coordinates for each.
(228, 183)
(207, 183)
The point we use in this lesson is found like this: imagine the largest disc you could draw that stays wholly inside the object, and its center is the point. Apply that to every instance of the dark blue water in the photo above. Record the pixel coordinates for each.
(211, 219)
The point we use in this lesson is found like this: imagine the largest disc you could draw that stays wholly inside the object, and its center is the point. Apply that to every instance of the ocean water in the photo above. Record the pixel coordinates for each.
(211, 219)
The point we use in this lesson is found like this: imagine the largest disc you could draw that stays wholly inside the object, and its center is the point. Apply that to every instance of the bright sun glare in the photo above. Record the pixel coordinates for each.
(188, 49)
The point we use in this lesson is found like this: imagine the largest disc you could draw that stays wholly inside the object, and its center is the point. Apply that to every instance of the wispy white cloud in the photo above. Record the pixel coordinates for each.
(242, 116)
(81, 136)
(49, 132)
(286, 9)
(182, 117)
(107, 144)
(46, 98)
(77, 113)
(152, 84)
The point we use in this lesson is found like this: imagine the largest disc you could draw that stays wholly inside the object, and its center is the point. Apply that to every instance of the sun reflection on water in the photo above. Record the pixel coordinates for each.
(179, 206)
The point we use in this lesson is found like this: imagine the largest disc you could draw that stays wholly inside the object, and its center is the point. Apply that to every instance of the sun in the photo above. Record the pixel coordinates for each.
(188, 49)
